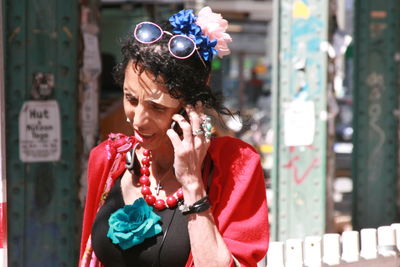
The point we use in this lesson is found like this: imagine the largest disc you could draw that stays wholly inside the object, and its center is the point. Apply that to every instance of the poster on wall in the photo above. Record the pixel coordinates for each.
(299, 123)
(39, 131)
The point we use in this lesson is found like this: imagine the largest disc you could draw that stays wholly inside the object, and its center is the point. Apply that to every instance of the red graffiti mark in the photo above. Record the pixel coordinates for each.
(291, 165)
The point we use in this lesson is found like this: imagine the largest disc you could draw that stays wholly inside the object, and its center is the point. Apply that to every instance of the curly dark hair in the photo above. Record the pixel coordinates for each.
(185, 79)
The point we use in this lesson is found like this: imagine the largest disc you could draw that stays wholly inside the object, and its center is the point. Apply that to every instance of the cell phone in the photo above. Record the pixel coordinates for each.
(175, 125)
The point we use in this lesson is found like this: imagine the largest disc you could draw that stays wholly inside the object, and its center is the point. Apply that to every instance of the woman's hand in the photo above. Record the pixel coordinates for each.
(190, 149)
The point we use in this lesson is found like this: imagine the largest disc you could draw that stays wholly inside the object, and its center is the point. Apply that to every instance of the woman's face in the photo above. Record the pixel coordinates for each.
(149, 108)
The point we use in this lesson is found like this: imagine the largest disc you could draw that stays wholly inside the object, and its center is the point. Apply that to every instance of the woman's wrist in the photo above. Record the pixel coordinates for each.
(193, 192)
(200, 205)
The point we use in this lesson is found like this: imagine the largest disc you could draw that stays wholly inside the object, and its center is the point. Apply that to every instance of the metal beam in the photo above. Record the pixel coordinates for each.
(142, 1)
(376, 102)
(257, 10)
(3, 180)
(299, 114)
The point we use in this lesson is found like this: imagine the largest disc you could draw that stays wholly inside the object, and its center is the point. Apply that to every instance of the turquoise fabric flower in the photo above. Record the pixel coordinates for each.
(132, 224)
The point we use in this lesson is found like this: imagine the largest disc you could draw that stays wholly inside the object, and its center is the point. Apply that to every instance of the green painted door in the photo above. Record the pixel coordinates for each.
(41, 48)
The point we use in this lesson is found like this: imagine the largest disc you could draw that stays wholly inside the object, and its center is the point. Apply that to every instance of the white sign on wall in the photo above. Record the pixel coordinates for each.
(299, 123)
(39, 131)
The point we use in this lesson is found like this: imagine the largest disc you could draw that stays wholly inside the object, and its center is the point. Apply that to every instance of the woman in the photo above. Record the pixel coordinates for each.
(172, 195)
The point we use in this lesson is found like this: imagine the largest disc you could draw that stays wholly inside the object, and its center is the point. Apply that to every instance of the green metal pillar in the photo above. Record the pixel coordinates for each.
(376, 94)
(300, 118)
(3, 179)
(41, 37)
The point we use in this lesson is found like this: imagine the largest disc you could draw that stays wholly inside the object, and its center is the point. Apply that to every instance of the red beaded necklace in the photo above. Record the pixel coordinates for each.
(144, 180)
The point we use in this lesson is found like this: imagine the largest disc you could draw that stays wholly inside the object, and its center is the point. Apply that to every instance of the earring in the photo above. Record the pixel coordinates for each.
(128, 120)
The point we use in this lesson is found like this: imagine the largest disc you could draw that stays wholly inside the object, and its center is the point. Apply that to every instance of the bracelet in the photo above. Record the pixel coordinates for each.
(199, 206)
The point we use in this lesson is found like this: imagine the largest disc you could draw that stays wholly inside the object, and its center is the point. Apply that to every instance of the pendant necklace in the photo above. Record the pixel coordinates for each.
(158, 203)
(158, 187)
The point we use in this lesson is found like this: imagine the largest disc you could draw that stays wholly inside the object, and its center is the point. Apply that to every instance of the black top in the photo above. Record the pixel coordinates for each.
(174, 251)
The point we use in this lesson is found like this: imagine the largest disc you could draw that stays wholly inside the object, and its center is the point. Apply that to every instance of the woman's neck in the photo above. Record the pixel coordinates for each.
(162, 160)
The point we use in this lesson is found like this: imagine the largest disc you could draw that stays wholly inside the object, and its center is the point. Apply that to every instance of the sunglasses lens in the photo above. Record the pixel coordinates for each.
(181, 46)
(147, 33)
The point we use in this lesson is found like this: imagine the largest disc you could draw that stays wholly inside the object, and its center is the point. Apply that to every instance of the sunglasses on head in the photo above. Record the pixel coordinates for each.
(179, 46)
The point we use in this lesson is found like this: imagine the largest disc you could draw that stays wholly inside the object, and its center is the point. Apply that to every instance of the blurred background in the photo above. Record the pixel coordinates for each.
(315, 83)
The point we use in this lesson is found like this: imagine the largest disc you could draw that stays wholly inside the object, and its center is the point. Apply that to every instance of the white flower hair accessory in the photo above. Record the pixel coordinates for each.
(214, 27)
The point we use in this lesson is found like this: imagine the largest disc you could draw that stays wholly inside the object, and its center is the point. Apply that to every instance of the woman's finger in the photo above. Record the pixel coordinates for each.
(195, 121)
(185, 126)
(174, 137)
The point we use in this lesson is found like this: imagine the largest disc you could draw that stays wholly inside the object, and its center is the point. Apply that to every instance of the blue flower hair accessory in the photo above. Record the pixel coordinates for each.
(132, 224)
(184, 23)
(207, 30)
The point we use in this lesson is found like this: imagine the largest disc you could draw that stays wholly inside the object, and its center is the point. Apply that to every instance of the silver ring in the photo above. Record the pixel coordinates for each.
(197, 132)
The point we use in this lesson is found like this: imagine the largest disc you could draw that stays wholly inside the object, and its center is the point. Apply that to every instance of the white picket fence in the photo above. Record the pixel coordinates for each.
(368, 248)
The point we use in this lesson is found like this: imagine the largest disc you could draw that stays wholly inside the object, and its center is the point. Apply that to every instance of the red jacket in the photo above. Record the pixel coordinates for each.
(237, 194)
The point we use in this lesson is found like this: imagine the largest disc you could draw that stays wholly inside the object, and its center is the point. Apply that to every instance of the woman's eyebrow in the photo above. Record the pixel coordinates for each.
(154, 101)
(127, 91)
